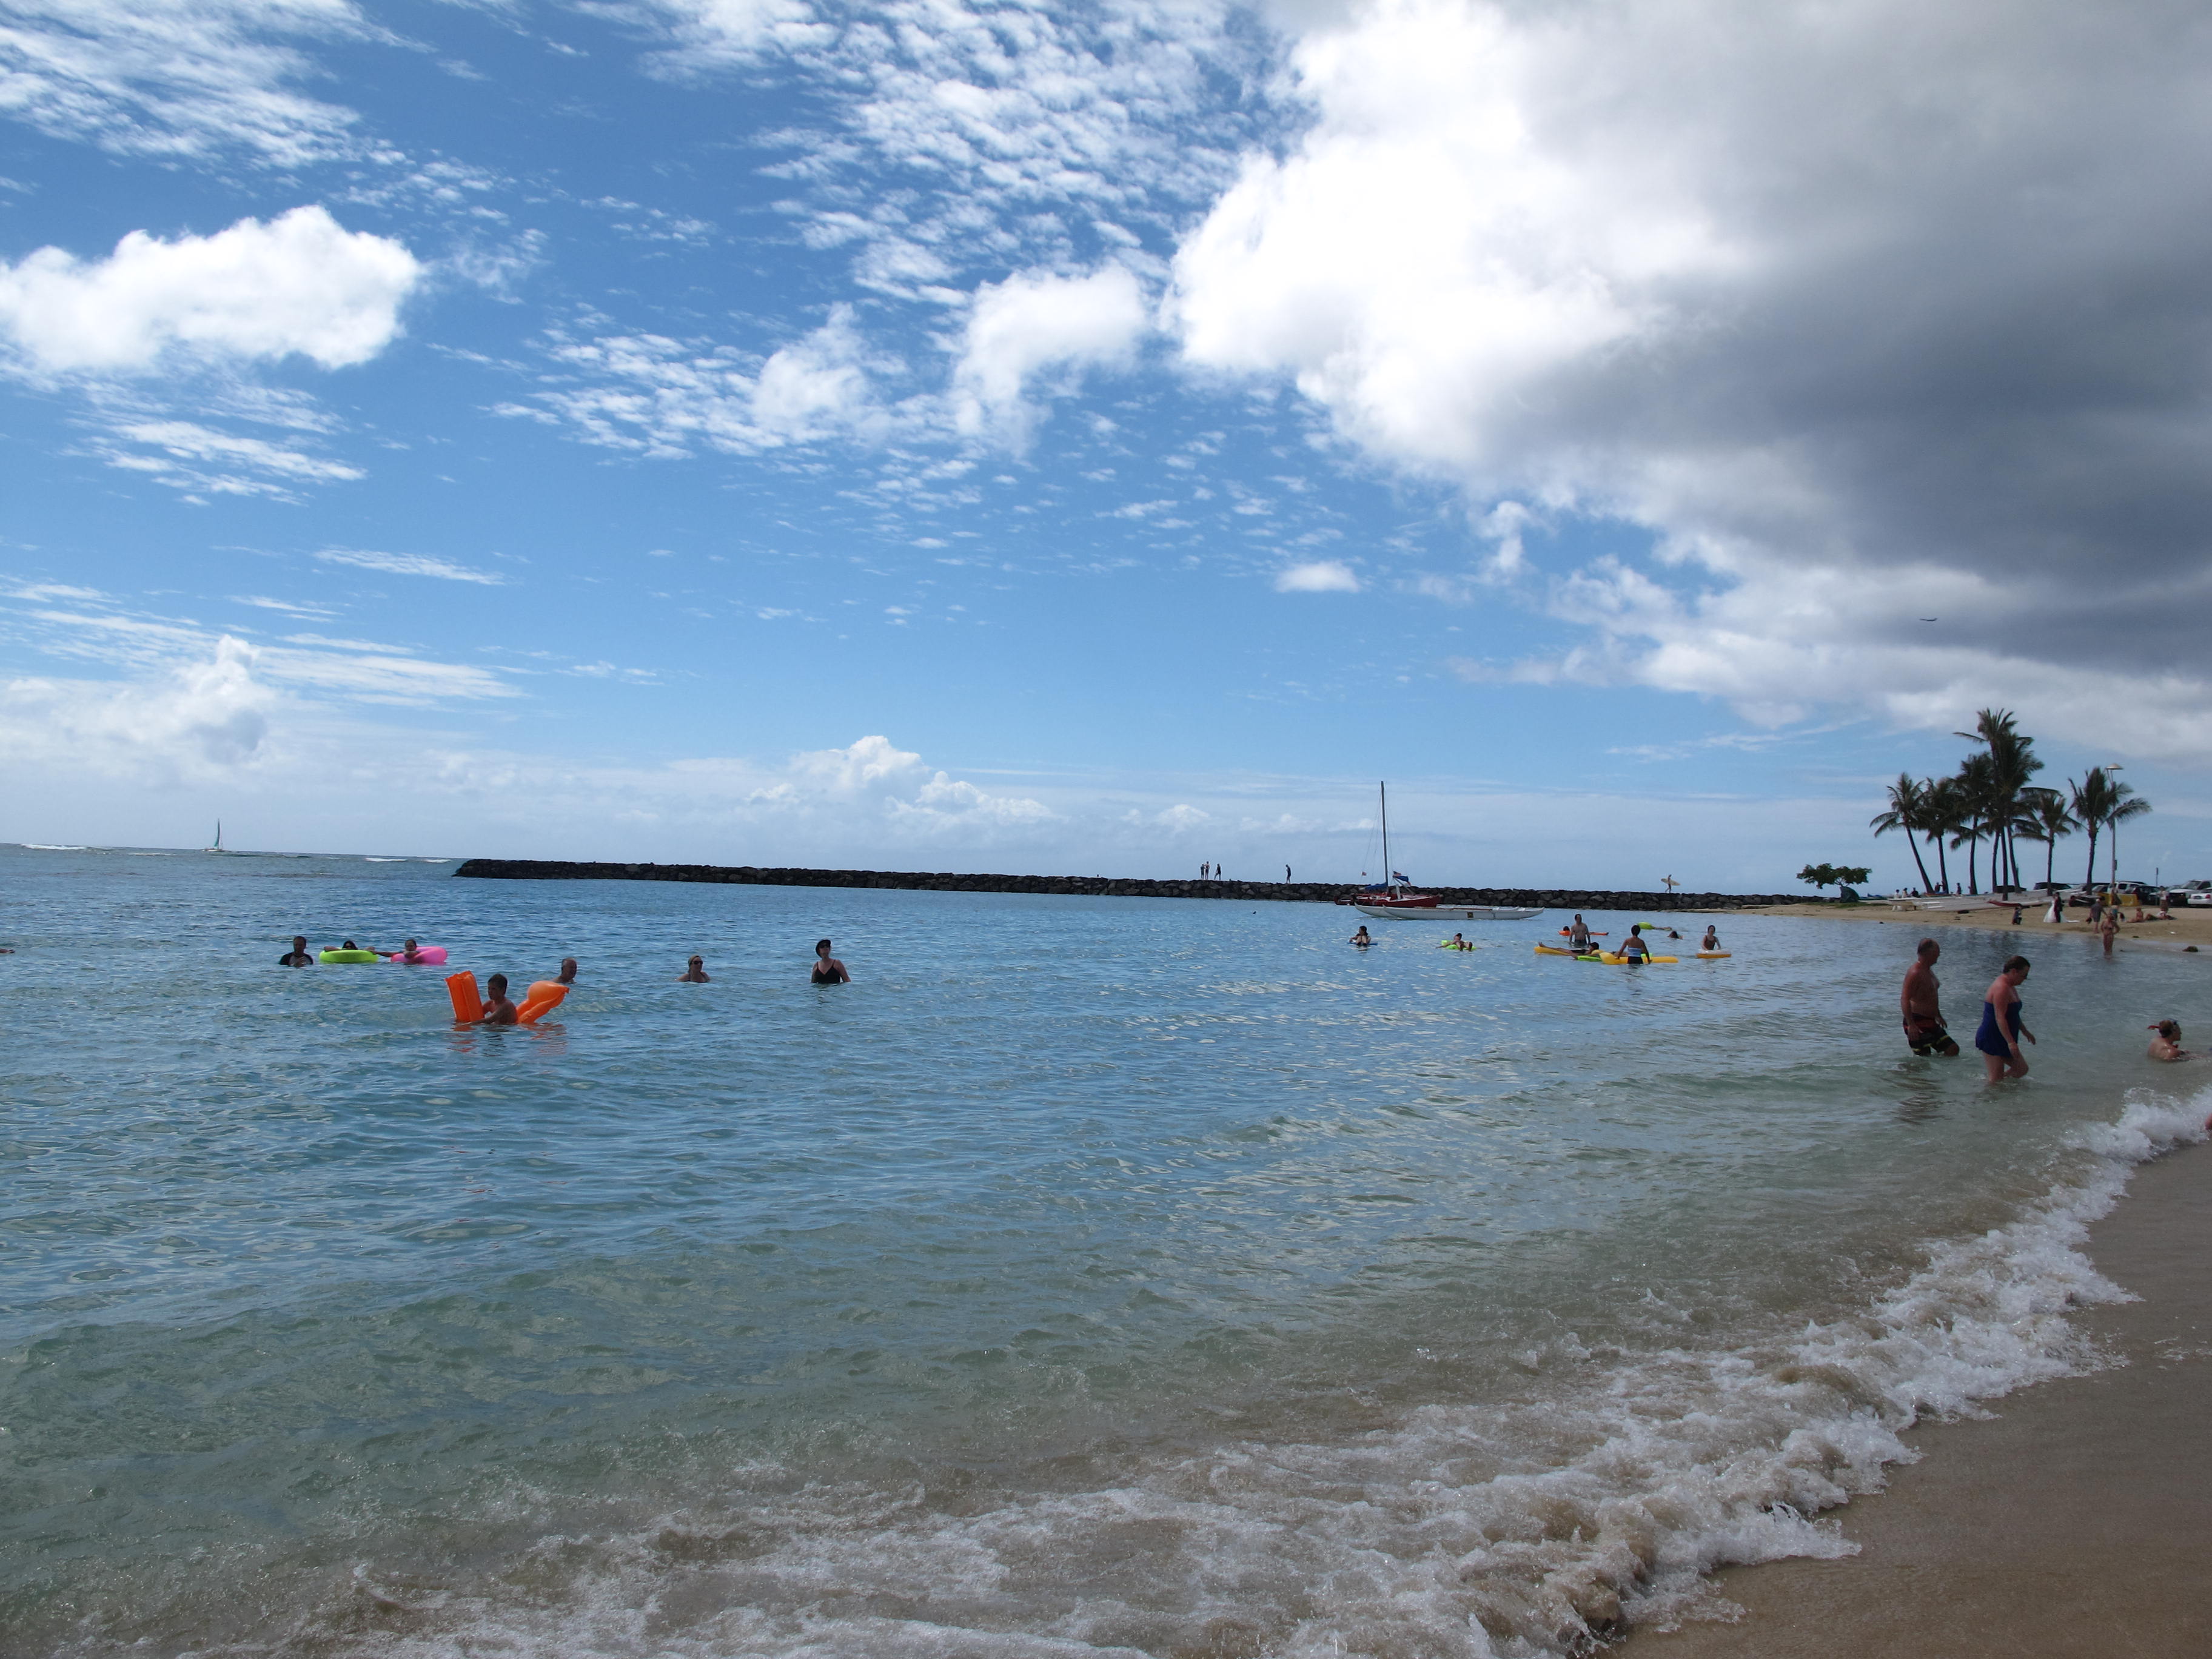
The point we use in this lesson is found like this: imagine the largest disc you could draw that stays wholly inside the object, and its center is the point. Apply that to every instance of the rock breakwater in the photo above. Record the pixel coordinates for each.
(1307, 892)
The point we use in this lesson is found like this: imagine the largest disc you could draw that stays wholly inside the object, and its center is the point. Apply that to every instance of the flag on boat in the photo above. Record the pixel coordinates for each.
(1400, 875)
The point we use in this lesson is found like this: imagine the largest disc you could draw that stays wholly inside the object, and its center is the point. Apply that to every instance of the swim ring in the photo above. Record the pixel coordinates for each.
(431, 955)
(348, 955)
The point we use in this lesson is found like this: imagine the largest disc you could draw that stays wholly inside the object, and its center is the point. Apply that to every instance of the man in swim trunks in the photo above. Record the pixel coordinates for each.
(1578, 935)
(498, 1010)
(299, 955)
(1922, 1008)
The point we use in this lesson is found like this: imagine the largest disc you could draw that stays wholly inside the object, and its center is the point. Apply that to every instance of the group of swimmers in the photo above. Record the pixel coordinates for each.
(1997, 1039)
(1635, 949)
(499, 1008)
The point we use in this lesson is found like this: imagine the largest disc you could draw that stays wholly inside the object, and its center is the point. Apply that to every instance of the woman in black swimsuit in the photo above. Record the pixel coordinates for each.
(828, 971)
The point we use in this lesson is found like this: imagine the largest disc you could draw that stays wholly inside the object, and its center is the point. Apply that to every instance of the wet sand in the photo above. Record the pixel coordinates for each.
(2075, 1525)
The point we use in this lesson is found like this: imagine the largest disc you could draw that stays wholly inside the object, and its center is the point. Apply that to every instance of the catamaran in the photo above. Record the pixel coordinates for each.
(1396, 896)
(217, 847)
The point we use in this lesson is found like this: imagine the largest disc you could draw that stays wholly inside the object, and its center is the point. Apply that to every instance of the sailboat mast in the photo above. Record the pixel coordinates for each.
(1389, 875)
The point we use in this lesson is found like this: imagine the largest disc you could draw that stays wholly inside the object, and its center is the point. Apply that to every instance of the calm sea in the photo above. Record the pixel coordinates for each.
(1091, 1276)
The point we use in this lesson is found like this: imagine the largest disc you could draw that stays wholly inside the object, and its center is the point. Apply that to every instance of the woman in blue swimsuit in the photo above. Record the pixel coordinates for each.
(2000, 1030)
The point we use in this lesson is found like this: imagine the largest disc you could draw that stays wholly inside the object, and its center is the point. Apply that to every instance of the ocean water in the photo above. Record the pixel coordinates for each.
(1092, 1276)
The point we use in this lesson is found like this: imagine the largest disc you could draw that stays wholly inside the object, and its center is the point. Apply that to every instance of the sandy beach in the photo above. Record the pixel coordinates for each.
(2185, 928)
(2070, 1525)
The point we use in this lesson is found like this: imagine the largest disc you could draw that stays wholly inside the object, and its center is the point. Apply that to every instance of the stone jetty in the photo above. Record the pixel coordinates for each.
(1307, 892)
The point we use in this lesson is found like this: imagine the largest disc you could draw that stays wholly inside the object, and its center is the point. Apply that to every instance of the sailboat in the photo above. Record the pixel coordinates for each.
(1396, 896)
(217, 847)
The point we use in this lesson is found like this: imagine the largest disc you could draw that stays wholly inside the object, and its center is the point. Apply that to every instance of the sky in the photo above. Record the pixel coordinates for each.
(1098, 439)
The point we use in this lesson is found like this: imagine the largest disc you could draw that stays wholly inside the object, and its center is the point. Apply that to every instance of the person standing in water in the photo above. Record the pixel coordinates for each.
(2000, 1030)
(828, 971)
(1361, 938)
(2109, 927)
(694, 974)
(1578, 936)
(1712, 941)
(299, 955)
(568, 974)
(1633, 950)
(2167, 1045)
(1921, 1003)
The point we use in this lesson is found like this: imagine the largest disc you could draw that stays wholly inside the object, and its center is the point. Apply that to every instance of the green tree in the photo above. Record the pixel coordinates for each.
(1835, 875)
(1999, 788)
(1907, 812)
(1940, 818)
(2046, 819)
(2102, 802)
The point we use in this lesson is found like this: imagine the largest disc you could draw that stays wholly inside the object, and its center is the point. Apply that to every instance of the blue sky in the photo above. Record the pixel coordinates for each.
(1092, 438)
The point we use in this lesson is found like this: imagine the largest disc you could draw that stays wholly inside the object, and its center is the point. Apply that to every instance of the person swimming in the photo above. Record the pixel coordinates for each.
(497, 1009)
(1360, 939)
(1459, 943)
(828, 971)
(2000, 1031)
(299, 955)
(695, 974)
(1578, 936)
(409, 951)
(2167, 1045)
(568, 974)
(1633, 951)
(1712, 941)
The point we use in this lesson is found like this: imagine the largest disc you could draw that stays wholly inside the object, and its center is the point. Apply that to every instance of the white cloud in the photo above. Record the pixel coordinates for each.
(301, 283)
(186, 455)
(409, 564)
(662, 396)
(1320, 576)
(719, 33)
(1037, 321)
(188, 78)
(1851, 309)
(197, 719)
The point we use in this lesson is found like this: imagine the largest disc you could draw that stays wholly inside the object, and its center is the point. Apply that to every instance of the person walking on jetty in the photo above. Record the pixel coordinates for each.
(1998, 1039)
(828, 971)
(1921, 1003)
(1204, 869)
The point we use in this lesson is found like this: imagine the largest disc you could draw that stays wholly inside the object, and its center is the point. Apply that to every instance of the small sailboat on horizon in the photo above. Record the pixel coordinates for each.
(217, 847)
(1395, 898)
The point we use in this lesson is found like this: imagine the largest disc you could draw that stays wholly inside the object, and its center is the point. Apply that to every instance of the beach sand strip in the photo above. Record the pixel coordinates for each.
(2074, 1525)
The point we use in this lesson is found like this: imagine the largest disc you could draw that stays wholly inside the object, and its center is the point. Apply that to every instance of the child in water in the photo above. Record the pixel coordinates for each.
(497, 1010)
(1360, 938)
(2167, 1045)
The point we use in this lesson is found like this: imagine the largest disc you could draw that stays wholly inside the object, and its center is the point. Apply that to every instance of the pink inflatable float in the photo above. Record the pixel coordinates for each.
(431, 955)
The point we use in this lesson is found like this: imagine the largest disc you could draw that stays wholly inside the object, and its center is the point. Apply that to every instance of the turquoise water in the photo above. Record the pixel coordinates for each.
(1137, 1276)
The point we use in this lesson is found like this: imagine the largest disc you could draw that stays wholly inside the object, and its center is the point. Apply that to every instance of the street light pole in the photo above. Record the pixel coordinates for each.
(2114, 866)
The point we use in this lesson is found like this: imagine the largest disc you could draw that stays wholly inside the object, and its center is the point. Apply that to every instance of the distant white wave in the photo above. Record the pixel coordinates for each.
(1601, 1499)
(50, 847)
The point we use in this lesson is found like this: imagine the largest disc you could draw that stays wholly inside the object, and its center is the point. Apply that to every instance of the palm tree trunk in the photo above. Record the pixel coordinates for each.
(2050, 857)
(1974, 857)
(1917, 864)
(1942, 864)
(2090, 880)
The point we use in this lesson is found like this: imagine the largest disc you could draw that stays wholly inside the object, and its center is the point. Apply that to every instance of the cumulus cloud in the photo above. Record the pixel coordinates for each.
(1319, 576)
(300, 283)
(197, 720)
(409, 564)
(1861, 313)
(1037, 321)
(895, 782)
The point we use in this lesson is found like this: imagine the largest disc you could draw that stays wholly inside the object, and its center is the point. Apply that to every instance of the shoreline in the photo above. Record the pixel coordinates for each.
(2068, 1524)
(2185, 930)
(942, 881)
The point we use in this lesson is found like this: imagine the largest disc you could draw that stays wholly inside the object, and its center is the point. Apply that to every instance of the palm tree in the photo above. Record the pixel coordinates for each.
(1940, 816)
(2102, 802)
(2050, 821)
(1908, 807)
(2012, 763)
(1976, 788)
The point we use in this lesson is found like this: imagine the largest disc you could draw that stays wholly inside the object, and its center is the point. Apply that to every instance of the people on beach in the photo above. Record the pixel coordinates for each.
(497, 1009)
(828, 971)
(1712, 941)
(2167, 1043)
(2000, 1031)
(2057, 916)
(299, 955)
(1578, 936)
(1360, 939)
(1633, 950)
(694, 973)
(1921, 1003)
(2096, 911)
(2109, 928)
